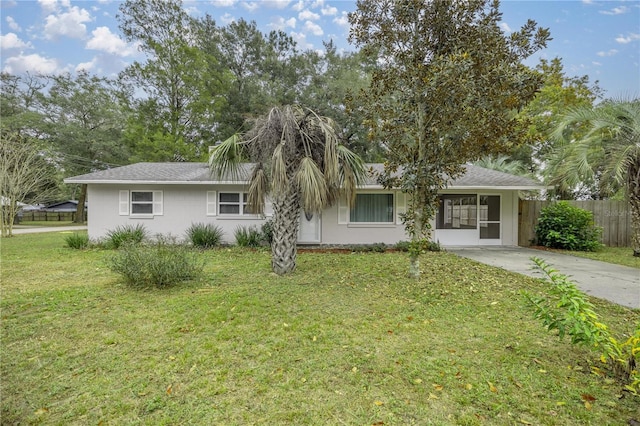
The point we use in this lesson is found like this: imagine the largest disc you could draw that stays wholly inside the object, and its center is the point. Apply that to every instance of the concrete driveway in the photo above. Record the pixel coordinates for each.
(616, 283)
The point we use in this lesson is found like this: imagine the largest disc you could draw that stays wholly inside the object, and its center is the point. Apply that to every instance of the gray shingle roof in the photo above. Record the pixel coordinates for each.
(198, 173)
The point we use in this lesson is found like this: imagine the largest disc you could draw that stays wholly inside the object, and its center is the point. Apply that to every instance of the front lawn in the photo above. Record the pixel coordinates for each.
(346, 339)
(618, 255)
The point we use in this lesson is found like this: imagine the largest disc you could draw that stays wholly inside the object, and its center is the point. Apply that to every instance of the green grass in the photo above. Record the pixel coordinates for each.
(618, 255)
(345, 339)
(47, 223)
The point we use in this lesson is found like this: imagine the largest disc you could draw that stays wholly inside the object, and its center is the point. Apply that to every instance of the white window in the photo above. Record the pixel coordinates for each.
(140, 203)
(233, 203)
(457, 211)
(372, 208)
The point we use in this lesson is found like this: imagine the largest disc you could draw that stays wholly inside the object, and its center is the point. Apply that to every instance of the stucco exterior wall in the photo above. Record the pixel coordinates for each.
(183, 205)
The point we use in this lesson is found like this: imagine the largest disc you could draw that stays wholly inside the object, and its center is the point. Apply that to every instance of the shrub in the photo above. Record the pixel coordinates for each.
(158, 264)
(565, 309)
(77, 241)
(422, 246)
(248, 236)
(267, 231)
(127, 234)
(564, 226)
(204, 235)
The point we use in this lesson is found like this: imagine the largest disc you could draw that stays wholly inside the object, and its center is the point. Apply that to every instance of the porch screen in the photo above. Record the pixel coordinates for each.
(457, 211)
(373, 208)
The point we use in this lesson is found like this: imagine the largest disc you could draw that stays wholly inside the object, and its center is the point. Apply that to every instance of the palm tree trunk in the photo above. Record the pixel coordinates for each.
(634, 201)
(286, 215)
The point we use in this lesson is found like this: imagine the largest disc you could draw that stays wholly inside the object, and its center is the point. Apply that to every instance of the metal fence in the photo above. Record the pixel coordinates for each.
(614, 217)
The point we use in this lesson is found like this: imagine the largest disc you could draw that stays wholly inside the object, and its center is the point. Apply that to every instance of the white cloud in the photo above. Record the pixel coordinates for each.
(31, 63)
(48, 5)
(342, 20)
(628, 39)
(307, 15)
(87, 66)
(505, 27)
(313, 28)
(620, 10)
(12, 41)
(69, 24)
(301, 40)
(250, 6)
(276, 4)
(298, 6)
(597, 64)
(12, 24)
(587, 1)
(329, 10)
(279, 23)
(611, 52)
(223, 3)
(104, 40)
(102, 64)
(227, 18)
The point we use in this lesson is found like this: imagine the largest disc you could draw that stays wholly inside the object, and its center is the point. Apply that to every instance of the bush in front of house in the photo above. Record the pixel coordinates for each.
(267, 232)
(205, 235)
(426, 245)
(564, 226)
(248, 236)
(158, 264)
(77, 241)
(126, 234)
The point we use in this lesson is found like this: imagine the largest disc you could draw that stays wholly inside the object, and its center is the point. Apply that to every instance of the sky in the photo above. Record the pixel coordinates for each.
(600, 39)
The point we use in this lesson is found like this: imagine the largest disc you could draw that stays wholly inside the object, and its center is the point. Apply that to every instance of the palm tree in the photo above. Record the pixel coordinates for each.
(607, 151)
(503, 163)
(298, 162)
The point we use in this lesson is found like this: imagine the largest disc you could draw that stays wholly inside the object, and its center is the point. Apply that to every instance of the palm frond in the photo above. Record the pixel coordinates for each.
(279, 177)
(257, 190)
(226, 158)
(313, 188)
(353, 173)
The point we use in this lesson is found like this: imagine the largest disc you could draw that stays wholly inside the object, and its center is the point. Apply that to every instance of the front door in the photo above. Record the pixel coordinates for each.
(489, 219)
(309, 229)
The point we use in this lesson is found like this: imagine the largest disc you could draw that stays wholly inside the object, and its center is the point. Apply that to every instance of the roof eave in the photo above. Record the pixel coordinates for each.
(154, 182)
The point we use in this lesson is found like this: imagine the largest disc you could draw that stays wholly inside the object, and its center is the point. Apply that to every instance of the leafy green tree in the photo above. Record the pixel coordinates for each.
(609, 151)
(448, 85)
(299, 163)
(25, 177)
(334, 79)
(175, 78)
(82, 118)
(540, 116)
(19, 101)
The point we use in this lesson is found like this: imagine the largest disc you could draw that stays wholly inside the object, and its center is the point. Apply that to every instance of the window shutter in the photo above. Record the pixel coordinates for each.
(401, 206)
(157, 203)
(343, 211)
(212, 201)
(123, 205)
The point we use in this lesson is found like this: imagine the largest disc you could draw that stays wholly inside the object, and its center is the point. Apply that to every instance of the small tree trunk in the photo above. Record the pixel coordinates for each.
(286, 215)
(634, 202)
(81, 200)
(414, 255)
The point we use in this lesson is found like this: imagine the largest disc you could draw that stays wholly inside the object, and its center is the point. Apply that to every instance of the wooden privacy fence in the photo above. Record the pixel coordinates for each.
(43, 216)
(613, 217)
